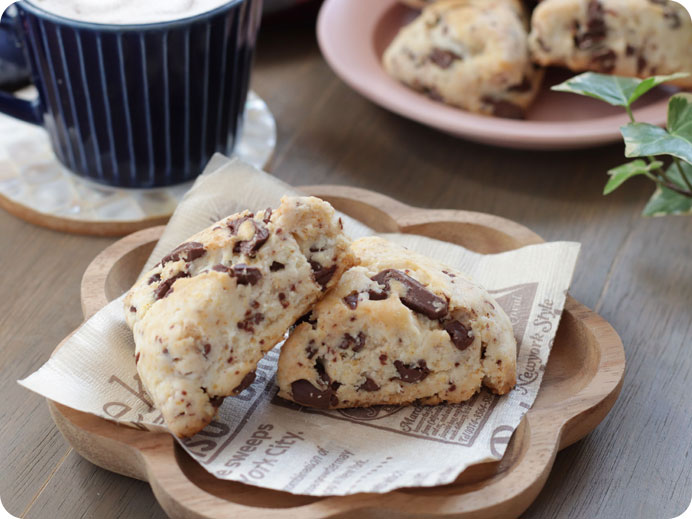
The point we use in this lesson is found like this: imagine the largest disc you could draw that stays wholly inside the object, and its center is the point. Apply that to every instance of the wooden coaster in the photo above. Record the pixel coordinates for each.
(35, 187)
(582, 380)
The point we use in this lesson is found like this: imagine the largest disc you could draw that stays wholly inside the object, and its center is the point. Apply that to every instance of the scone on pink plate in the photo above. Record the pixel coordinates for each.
(397, 328)
(473, 54)
(623, 37)
(207, 312)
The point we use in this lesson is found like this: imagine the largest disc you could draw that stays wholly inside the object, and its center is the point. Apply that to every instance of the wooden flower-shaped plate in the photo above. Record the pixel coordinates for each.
(582, 381)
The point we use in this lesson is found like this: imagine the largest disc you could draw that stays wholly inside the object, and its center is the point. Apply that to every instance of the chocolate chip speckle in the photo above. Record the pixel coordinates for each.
(412, 373)
(416, 296)
(322, 274)
(461, 336)
(275, 266)
(245, 383)
(246, 275)
(443, 58)
(165, 287)
(187, 252)
(351, 300)
(369, 385)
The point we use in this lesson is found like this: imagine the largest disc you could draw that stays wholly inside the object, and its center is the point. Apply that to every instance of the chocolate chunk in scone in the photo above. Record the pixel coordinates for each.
(398, 328)
(468, 53)
(623, 37)
(208, 311)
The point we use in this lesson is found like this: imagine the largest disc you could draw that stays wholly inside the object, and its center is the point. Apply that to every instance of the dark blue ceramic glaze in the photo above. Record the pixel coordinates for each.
(138, 105)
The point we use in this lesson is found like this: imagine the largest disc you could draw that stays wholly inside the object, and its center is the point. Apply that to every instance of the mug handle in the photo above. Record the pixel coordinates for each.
(23, 109)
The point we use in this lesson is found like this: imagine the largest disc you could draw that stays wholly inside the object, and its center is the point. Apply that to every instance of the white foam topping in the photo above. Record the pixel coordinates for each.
(123, 12)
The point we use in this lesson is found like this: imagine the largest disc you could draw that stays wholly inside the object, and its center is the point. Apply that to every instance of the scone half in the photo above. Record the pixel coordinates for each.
(207, 312)
(398, 328)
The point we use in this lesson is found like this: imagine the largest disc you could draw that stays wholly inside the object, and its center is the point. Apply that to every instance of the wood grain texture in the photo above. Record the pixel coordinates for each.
(635, 272)
(581, 383)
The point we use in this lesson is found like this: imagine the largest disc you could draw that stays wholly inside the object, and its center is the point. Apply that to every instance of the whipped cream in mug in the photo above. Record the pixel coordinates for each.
(127, 11)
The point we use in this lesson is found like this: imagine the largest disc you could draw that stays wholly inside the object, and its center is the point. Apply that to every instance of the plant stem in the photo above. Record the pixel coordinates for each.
(675, 188)
(662, 180)
(669, 185)
(629, 112)
(682, 173)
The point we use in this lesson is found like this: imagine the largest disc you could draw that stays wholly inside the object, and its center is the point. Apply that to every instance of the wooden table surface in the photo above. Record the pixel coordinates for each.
(636, 272)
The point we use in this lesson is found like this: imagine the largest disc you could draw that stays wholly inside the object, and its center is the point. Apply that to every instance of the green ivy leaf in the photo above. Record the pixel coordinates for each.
(645, 140)
(624, 172)
(680, 116)
(652, 82)
(666, 201)
(615, 90)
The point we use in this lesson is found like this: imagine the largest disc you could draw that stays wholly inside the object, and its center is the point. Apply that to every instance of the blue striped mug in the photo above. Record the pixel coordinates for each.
(142, 105)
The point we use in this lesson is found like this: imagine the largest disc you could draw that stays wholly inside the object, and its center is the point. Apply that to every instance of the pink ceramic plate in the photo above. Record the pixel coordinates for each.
(354, 33)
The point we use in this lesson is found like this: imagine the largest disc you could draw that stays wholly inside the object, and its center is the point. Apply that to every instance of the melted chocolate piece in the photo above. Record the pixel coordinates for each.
(443, 58)
(154, 278)
(360, 342)
(377, 296)
(355, 343)
(461, 336)
(641, 64)
(524, 86)
(321, 274)
(306, 394)
(216, 401)
(307, 318)
(246, 275)
(369, 385)
(251, 246)
(165, 287)
(245, 383)
(411, 372)
(604, 60)
(595, 27)
(248, 323)
(502, 108)
(234, 225)
(351, 300)
(310, 349)
(187, 252)
(433, 94)
(672, 17)
(267, 215)
(417, 297)
(223, 269)
(321, 372)
(276, 266)
(133, 309)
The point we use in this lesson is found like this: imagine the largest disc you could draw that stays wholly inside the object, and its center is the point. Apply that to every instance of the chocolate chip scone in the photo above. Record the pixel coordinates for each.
(472, 54)
(398, 328)
(207, 312)
(624, 37)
